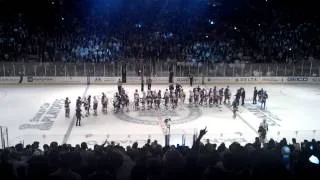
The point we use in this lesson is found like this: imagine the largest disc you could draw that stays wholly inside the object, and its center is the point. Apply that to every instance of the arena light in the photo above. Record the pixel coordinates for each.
(211, 22)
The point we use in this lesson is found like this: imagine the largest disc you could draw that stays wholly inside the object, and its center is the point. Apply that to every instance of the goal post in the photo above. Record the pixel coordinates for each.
(4, 139)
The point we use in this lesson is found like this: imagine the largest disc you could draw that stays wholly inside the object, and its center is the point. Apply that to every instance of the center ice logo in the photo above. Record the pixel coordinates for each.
(153, 117)
(45, 117)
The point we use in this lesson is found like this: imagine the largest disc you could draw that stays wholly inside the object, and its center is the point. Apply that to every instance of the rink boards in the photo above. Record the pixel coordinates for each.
(158, 80)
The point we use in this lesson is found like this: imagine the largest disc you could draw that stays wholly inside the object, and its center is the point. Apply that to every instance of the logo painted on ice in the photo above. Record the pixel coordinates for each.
(45, 117)
(271, 119)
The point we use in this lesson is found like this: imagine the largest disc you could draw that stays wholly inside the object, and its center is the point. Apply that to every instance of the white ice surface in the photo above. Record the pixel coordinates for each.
(296, 107)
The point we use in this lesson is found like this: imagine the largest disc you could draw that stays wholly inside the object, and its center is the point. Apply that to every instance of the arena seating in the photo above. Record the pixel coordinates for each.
(278, 160)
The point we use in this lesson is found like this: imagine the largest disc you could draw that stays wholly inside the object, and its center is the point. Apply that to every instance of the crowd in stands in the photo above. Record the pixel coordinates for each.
(170, 31)
(203, 161)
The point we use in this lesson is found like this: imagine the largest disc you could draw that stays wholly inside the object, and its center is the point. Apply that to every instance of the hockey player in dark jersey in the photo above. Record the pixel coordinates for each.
(260, 93)
(215, 96)
(201, 95)
(67, 107)
(104, 103)
(79, 102)
(227, 94)
(255, 93)
(116, 102)
(119, 86)
(154, 98)
(78, 116)
(238, 94)
(234, 108)
(220, 95)
(126, 101)
(264, 98)
(166, 98)
(143, 100)
(89, 102)
(243, 96)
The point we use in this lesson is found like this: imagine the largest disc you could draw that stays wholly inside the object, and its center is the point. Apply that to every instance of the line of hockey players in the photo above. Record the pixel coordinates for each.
(171, 98)
(86, 103)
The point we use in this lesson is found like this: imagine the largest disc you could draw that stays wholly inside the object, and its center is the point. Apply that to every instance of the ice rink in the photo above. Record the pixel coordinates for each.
(36, 113)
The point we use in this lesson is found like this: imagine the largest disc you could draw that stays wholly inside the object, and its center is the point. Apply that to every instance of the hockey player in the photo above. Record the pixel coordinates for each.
(238, 95)
(201, 95)
(158, 100)
(227, 95)
(79, 102)
(149, 100)
(262, 134)
(255, 93)
(67, 107)
(154, 97)
(174, 101)
(264, 124)
(143, 100)
(116, 102)
(196, 97)
(260, 93)
(95, 106)
(136, 100)
(206, 96)
(89, 102)
(178, 89)
(166, 98)
(264, 98)
(234, 108)
(182, 96)
(149, 82)
(126, 101)
(215, 96)
(119, 86)
(104, 103)
(211, 96)
(191, 97)
(86, 106)
(243, 96)
(78, 116)
(220, 95)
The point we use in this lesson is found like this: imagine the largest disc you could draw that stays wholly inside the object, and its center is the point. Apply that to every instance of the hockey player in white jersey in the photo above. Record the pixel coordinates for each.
(191, 97)
(182, 96)
(95, 106)
(136, 100)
